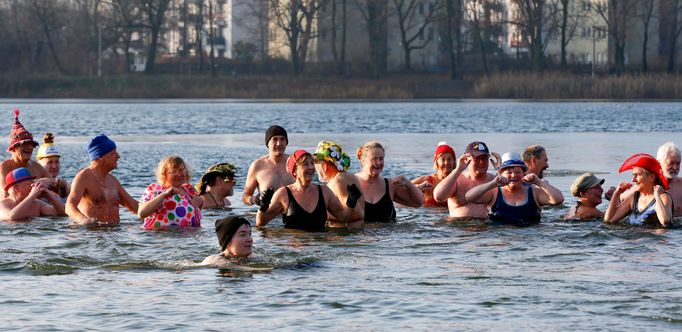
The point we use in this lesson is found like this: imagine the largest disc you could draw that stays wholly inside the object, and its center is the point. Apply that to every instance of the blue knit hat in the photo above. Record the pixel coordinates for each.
(99, 146)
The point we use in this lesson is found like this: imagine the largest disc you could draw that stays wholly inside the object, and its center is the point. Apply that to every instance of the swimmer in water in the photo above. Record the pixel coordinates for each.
(303, 205)
(216, 185)
(471, 170)
(268, 172)
(234, 238)
(443, 164)
(650, 204)
(21, 146)
(48, 156)
(332, 166)
(95, 194)
(24, 201)
(514, 196)
(378, 192)
(588, 189)
(171, 201)
(668, 155)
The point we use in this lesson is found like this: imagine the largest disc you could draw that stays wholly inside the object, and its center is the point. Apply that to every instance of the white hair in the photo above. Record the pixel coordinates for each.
(666, 150)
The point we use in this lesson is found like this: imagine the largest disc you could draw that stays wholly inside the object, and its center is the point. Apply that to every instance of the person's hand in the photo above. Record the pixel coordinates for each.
(496, 159)
(353, 195)
(463, 161)
(401, 181)
(623, 186)
(609, 193)
(658, 190)
(172, 191)
(37, 190)
(197, 202)
(265, 199)
(424, 186)
(501, 181)
(531, 178)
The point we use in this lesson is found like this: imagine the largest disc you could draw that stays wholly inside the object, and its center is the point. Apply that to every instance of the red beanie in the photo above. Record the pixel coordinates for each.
(647, 162)
(19, 134)
(443, 147)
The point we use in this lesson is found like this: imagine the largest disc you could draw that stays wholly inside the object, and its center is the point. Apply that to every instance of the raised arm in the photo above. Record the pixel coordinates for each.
(145, 209)
(448, 187)
(663, 206)
(545, 193)
(268, 211)
(22, 211)
(618, 209)
(406, 193)
(55, 208)
(484, 193)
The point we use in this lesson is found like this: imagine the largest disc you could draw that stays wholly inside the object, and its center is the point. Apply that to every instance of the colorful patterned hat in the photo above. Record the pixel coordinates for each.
(16, 176)
(333, 153)
(19, 134)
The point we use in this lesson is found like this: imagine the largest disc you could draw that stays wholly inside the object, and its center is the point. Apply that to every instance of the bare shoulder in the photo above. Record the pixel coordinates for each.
(260, 162)
(6, 166)
(421, 179)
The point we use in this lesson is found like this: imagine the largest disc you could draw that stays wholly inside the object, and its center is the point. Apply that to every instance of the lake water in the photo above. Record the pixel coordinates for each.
(425, 272)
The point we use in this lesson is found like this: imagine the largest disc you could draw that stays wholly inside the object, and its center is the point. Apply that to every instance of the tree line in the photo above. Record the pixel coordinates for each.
(66, 36)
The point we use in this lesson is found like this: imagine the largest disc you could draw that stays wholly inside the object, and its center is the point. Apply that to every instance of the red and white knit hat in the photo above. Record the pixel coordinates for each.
(19, 134)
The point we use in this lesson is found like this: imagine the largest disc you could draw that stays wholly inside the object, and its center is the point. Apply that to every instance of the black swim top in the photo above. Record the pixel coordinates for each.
(522, 215)
(646, 217)
(381, 211)
(297, 218)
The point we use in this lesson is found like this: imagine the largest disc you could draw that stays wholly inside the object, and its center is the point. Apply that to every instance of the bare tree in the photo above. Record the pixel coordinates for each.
(646, 16)
(211, 36)
(532, 22)
(295, 19)
(128, 19)
(453, 33)
(671, 29)
(617, 15)
(46, 12)
(155, 11)
(256, 21)
(339, 56)
(375, 14)
(412, 27)
(568, 22)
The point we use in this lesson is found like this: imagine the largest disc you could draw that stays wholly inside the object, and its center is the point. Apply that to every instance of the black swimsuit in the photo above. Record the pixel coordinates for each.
(298, 218)
(519, 215)
(381, 211)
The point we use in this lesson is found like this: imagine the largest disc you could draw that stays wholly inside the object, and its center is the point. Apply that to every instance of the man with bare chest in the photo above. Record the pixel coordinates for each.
(95, 194)
(471, 170)
(269, 172)
(668, 155)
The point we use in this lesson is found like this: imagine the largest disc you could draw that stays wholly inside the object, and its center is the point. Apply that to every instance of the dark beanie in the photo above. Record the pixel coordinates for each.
(226, 227)
(275, 130)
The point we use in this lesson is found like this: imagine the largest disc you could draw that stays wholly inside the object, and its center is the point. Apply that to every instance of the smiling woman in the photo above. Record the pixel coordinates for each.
(172, 201)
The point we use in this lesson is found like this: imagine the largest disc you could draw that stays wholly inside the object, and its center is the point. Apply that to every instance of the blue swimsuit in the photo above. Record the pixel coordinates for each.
(521, 215)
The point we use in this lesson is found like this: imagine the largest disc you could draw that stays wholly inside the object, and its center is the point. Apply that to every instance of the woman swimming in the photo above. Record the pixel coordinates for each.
(443, 164)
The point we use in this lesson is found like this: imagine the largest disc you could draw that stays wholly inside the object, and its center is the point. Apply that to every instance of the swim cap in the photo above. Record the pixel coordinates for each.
(48, 149)
(222, 169)
(16, 176)
(333, 153)
(19, 134)
(512, 159)
(275, 130)
(584, 182)
(226, 227)
(99, 146)
(443, 147)
(291, 161)
(647, 162)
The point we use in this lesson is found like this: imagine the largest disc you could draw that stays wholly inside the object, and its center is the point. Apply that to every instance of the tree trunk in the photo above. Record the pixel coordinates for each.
(672, 38)
(211, 36)
(564, 27)
(341, 69)
(449, 7)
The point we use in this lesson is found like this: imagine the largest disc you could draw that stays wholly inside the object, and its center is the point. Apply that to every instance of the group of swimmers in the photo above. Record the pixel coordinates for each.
(282, 184)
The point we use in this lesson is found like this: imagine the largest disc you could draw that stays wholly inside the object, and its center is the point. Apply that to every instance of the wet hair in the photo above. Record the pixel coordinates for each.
(167, 163)
(368, 146)
(666, 150)
(534, 150)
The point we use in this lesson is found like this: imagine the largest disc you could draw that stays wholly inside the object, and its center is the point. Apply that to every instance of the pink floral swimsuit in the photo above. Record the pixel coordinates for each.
(175, 210)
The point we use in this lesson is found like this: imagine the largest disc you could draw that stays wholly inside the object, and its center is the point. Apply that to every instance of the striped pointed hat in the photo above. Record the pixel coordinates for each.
(19, 134)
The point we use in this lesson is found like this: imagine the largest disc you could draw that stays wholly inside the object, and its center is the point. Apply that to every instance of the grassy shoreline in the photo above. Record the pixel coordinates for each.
(548, 86)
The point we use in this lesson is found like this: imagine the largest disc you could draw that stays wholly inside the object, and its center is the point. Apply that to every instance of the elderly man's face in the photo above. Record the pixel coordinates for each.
(671, 166)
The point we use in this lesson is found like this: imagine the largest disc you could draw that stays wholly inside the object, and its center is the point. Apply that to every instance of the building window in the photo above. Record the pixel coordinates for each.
(421, 8)
(430, 34)
(586, 5)
(421, 34)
